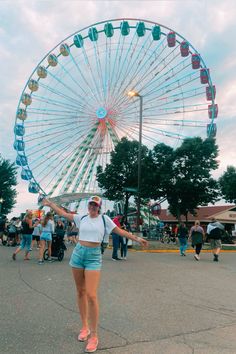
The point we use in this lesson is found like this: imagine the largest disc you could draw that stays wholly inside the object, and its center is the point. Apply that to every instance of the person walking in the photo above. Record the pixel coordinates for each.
(3, 227)
(197, 237)
(215, 231)
(116, 239)
(46, 237)
(182, 234)
(124, 240)
(36, 233)
(11, 233)
(27, 230)
(86, 262)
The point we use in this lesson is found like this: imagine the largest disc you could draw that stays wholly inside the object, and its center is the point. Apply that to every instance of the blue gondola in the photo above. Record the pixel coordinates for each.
(93, 34)
(19, 130)
(156, 33)
(19, 145)
(124, 27)
(26, 175)
(140, 29)
(21, 160)
(78, 41)
(109, 30)
(33, 187)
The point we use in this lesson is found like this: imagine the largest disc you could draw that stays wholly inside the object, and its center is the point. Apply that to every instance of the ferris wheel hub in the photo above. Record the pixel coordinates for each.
(101, 113)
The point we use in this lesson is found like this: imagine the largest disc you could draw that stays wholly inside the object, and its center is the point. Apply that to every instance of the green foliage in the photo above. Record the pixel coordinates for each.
(182, 176)
(228, 184)
(162, 172)
(7, 182)
(192, 184)
(122, 171)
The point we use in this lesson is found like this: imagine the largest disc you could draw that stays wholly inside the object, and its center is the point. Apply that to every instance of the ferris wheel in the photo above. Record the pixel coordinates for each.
(75, 106)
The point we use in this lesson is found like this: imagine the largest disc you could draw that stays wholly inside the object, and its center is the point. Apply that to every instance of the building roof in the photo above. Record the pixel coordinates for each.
(225, 213)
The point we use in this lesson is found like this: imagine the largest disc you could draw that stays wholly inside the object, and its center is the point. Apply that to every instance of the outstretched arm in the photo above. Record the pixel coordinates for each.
(59, 211)
(132, 237)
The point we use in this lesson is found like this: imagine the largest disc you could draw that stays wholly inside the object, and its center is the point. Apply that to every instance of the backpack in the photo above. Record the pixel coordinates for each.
(103, 244)
(215, 233)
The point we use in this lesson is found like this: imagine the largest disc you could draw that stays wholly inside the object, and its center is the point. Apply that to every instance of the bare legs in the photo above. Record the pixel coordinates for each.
(87, 283)
(42, 248)
(216, 251)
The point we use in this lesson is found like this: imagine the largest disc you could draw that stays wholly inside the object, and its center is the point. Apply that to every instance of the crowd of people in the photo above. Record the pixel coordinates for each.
(86, 259)
(197, 236)
(30, 232)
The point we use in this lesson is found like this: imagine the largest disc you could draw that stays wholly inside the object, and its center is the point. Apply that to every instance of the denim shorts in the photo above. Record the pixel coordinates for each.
(46, 236)
(26, 242)
(88, 258)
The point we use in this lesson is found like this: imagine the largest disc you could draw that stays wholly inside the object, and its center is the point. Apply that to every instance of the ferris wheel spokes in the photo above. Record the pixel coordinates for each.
(81, 89)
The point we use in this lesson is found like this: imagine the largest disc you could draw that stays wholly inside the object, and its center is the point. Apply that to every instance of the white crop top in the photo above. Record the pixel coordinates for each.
(92, 229)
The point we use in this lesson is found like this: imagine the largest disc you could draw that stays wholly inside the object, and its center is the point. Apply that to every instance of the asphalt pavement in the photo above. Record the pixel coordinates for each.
(153, 303)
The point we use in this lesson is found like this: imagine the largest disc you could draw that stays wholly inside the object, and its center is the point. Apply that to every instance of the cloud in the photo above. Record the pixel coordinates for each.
(29, 30)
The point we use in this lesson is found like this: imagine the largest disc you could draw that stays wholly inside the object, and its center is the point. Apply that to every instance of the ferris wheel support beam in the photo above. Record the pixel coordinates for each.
(81, 155)
(91, 158)
(65, 171)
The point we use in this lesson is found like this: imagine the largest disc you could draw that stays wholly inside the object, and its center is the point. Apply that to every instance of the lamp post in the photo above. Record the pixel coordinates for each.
(1, 201)
(136, 94)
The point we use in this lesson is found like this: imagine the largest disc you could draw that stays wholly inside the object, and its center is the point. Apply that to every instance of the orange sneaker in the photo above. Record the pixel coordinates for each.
(92, 345)
(83, 335)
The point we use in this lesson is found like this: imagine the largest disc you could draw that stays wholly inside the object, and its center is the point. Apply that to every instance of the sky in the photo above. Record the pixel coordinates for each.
(29, 29)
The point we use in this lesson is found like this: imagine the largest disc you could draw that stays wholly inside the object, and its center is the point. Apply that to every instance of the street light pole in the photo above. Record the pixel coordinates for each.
(139, 159)
(136, 94)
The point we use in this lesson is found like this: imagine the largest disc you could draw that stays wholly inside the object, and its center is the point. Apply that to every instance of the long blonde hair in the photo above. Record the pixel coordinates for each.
(47, 217)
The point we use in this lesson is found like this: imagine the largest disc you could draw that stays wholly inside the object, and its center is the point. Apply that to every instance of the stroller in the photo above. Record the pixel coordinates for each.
(58, 248)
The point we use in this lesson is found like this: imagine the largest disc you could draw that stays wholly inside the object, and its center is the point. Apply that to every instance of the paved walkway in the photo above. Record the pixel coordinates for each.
(153, 303)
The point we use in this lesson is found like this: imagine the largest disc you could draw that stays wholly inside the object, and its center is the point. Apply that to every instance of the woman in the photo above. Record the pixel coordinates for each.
(60, 229)
(46, 236)
(182, 233)
(86, 261)
(197, 236)
(27, 229)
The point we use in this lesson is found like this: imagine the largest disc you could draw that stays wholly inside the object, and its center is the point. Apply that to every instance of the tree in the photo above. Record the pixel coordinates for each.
(7, 182)
(228, 184)
(192, 184)
(120, 176)
(160, 173)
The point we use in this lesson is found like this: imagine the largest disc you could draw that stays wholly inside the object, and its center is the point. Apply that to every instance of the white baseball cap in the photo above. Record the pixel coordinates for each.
(96, 199)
